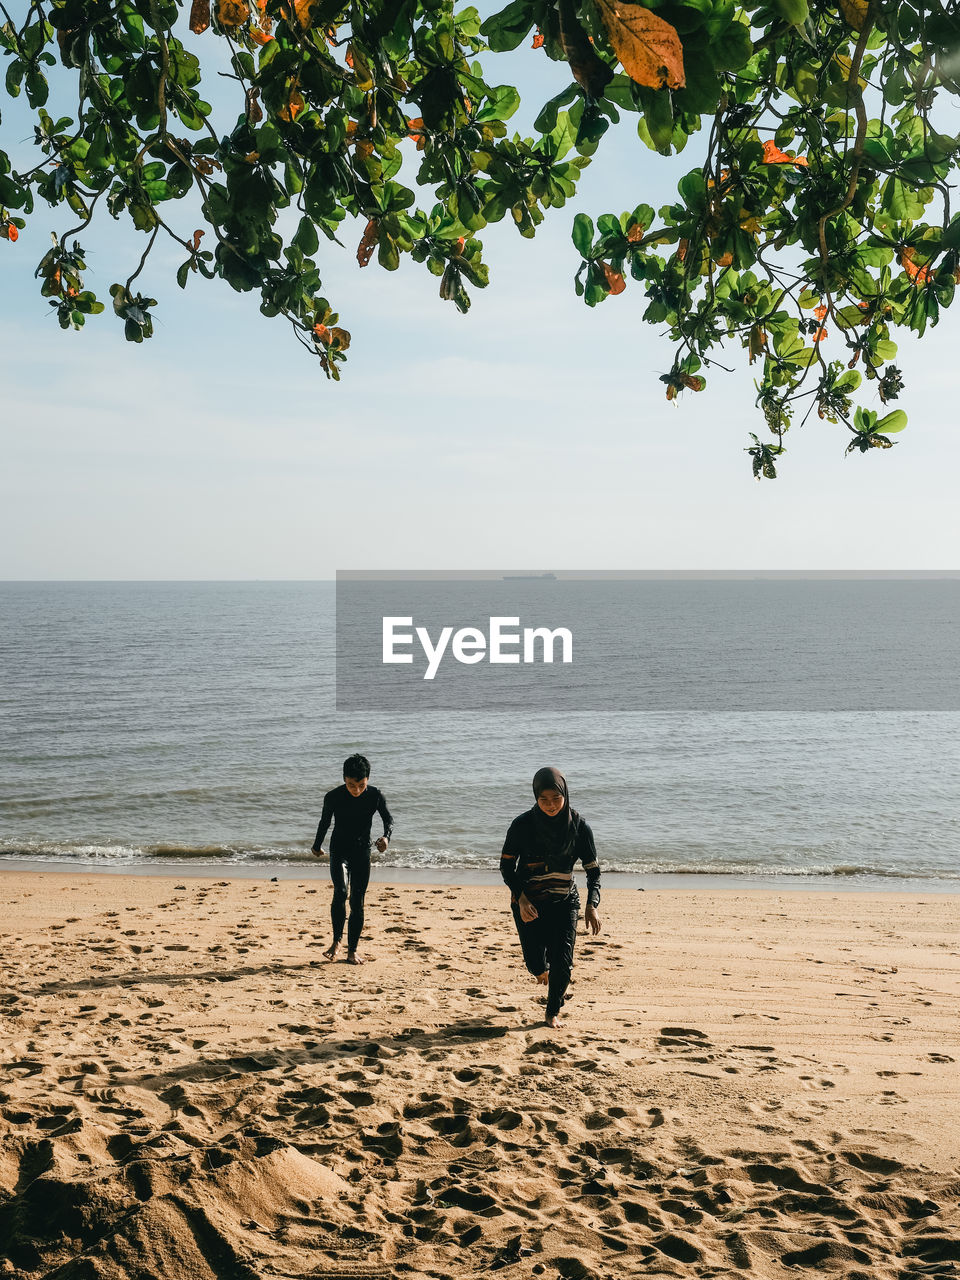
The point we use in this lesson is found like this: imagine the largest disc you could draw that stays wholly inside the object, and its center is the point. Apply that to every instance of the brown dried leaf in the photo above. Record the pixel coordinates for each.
(199, 16)
(369, 242)
(649, 49)
(757, 344)
(588, 68)
(254, 109)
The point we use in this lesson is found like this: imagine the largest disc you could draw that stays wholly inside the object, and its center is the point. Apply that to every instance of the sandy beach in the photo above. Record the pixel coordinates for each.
(745, 1083)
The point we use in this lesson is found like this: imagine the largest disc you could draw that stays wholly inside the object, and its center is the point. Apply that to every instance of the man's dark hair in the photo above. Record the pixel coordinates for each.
(356, 766)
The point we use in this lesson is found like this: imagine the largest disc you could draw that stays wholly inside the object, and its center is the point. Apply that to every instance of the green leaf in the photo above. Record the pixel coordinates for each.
(546, 121)
(14, 77)
(501, 103)
(732, 48)
(658, 116)
(506, 29)
(892, 423)
(583, 234)
(306, 237)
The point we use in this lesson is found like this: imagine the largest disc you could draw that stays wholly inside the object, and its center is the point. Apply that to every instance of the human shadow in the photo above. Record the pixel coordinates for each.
(141, 978)
(457, 1034)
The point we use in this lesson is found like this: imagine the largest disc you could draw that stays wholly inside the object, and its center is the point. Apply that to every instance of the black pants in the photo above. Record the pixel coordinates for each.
(350, 873)
(547, 944)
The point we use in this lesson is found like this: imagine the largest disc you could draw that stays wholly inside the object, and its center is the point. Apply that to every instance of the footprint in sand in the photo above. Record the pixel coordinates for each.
(683, 1038)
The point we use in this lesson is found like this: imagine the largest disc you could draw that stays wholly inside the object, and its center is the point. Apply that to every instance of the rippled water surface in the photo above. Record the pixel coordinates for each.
(147, 723)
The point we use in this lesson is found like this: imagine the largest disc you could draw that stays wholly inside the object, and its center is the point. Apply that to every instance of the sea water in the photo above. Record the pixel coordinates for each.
(153, 724)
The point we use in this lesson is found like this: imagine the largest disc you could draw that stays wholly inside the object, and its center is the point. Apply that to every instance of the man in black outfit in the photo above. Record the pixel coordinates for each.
(351, 808)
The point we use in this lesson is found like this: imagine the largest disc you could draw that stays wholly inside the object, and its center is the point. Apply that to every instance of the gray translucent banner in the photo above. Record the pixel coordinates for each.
(724, 642)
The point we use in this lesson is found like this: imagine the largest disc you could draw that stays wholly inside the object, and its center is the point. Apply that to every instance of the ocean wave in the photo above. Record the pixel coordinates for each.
(421, 859)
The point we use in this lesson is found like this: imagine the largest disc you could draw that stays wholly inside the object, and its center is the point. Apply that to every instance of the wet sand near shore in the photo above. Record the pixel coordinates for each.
(745, 1082)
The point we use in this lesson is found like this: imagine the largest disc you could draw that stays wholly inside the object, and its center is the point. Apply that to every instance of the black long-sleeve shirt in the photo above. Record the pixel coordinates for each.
(352, 818)
(525, 869)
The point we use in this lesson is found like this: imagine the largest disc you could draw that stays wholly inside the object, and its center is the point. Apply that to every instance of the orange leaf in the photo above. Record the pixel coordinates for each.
(232, 13)
(197, 237)
(13, 232)
(369, 242)
(260, 37)
(726, 260)
(682, 248)
(348, 57)
(920, 274)
(304, 11)
(855, 12)
(694, 383)
(773, 155)
(820, 334)
(321, 332)
(635, 233)
(199, 16)
(294, 106)
(649, 49)
(615, 281)
(820, 312)
(537, 41)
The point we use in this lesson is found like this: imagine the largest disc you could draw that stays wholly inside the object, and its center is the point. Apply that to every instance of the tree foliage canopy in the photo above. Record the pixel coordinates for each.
(819, 219)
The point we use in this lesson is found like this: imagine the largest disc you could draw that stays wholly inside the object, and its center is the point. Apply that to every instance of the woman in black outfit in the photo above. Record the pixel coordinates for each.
(539, 854)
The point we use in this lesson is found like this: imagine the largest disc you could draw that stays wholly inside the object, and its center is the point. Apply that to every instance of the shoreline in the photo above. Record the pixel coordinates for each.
(466, 877)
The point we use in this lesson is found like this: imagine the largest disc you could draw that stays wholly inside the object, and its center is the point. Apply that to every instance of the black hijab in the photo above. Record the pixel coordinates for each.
(554, 836)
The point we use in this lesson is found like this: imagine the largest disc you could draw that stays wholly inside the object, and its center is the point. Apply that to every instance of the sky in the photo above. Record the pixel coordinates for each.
(532, 433)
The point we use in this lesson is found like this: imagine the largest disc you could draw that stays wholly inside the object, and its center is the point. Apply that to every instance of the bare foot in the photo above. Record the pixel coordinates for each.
(554, 1022)
(543, 978)
(353, 958)
(331, 952)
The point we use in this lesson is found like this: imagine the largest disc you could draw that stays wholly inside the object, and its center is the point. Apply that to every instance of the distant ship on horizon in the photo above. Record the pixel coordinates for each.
(529, 577)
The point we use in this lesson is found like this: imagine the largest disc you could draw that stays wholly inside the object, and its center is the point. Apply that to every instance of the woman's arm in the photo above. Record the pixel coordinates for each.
(587, 853)
(510, 859)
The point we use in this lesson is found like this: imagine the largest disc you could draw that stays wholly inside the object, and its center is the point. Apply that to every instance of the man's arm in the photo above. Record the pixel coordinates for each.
(326, 817)
(385, 816)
